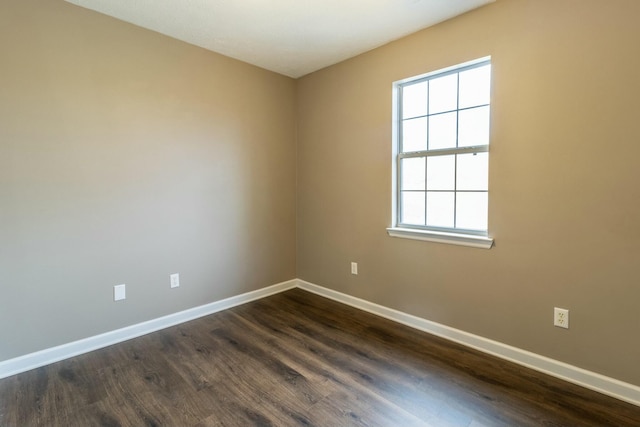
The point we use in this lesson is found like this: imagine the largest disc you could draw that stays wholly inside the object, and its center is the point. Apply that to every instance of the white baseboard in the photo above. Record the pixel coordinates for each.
(591, 380)
(65, 351)
(610, 386)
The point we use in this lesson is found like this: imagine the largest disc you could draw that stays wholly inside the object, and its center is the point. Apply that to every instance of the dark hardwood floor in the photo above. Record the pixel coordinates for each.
(296, 359)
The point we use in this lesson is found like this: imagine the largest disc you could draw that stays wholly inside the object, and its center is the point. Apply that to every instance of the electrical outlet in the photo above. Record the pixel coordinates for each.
(119, 292)
(561, 317)
(175, 280)
(354, 268)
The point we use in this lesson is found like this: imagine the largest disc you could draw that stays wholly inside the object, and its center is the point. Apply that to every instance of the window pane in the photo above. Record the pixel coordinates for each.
(442, 131)
(475, 87)
(440, 209)
(443, 94)
(472, 171)
(471, 210)
(441, 173)
(413, 207)
(413, 173)
(473, 127)
(414, 135)
(414, 100)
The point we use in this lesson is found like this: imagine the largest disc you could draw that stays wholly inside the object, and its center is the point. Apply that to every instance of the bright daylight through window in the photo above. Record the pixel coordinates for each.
(442, 155)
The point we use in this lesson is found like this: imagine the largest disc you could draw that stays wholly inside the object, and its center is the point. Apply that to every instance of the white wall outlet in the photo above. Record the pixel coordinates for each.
(175, 280)
(561, 317)
(354, 268)
(119, 292)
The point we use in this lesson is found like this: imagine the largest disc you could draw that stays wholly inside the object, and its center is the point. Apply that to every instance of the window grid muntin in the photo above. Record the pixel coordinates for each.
(436, 152)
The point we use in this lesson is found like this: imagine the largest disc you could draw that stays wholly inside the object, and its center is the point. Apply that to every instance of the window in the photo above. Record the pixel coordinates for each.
(441, 127)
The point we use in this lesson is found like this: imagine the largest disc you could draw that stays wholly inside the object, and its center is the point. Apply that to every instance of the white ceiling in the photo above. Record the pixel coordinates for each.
(290, 37)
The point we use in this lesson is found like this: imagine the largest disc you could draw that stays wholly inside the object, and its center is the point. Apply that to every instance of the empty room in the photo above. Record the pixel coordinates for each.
(319, 213)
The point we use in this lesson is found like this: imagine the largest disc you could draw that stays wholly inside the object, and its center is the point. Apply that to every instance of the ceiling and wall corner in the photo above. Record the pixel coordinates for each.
(290, 37)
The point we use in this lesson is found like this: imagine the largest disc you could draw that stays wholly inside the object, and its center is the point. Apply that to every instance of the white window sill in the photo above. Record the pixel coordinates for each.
(474, 241)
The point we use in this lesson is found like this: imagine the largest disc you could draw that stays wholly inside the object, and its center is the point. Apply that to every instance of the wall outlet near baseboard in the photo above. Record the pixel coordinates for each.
(175, 280)
(119, 292)
(354, 268)
(561, 317)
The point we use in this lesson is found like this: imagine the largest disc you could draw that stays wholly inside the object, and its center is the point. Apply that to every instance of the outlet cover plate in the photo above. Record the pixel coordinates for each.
(175, 280)
(119, 292)
(561, 317)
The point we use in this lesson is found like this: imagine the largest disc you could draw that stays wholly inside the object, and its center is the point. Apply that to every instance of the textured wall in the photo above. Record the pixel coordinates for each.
(564, 193)
(126, 156)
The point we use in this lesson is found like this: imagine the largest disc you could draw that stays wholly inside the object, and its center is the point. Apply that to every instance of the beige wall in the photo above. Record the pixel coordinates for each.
(126, 156)
(564, 182)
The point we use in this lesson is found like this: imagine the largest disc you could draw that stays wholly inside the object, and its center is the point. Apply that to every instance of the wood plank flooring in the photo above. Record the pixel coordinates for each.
(297, 359)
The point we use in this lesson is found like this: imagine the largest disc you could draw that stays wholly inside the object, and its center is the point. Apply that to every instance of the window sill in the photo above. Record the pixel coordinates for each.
(471, 240)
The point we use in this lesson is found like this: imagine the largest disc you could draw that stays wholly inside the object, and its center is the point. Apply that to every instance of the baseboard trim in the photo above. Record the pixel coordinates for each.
(55, 354)
(609, 386)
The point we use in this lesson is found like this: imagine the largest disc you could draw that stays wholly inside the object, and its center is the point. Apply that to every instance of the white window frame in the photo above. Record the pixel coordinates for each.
(456, 236)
